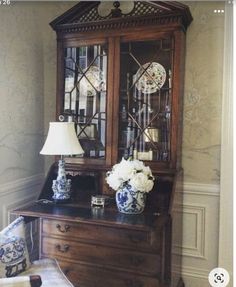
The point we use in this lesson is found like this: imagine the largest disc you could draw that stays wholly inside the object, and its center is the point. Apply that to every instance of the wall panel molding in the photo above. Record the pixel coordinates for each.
(21, 184)
(18, 203)
(195, 248)
(199, 251)
(201, 189)
(192, 272)
(17, 194)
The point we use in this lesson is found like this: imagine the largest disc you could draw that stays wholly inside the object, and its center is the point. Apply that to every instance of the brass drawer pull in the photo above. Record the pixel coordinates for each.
(63, 230)
(63, 249)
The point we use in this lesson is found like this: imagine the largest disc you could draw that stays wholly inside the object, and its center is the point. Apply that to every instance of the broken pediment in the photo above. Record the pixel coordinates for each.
(103, 15)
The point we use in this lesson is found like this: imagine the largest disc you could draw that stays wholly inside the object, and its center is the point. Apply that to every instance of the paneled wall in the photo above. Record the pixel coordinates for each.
(200, 233)
(17, 194)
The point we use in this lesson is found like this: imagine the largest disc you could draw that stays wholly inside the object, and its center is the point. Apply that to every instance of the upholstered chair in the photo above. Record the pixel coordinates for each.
(16, 268)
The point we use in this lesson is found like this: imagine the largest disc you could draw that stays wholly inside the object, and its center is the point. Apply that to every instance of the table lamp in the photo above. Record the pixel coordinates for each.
(61, 140)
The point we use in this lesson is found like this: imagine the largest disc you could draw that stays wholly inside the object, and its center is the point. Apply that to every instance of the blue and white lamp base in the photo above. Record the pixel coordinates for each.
(130, 201)
(61, 186)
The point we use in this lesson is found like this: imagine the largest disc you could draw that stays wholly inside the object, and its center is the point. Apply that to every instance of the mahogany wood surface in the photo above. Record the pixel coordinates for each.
(101, 247)
(101, 277)
(132, 247)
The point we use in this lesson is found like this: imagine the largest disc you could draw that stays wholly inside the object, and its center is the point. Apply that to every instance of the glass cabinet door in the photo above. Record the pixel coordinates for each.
(145, 99)
(85, 93)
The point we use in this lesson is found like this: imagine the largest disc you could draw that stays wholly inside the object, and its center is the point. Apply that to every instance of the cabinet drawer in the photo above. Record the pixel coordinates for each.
(92, 276)
(101, 255)
(104, 234)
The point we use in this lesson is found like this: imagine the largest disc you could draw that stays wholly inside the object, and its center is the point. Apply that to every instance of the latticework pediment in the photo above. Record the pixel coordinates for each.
(97, 15)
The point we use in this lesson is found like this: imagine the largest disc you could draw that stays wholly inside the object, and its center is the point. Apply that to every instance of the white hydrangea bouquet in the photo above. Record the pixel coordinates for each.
(131, 180)
(130, 172)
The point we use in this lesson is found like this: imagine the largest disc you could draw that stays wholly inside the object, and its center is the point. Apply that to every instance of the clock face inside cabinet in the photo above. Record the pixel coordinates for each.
(145, 99)
(85, 93)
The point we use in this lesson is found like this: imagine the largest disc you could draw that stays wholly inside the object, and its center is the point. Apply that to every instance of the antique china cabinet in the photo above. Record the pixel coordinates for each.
(120, 75)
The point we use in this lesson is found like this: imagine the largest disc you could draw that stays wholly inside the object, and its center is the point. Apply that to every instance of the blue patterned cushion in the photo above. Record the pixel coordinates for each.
(14, 257)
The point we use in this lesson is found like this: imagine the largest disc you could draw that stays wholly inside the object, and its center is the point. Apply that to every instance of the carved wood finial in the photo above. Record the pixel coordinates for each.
(116, 4)
(117, 11)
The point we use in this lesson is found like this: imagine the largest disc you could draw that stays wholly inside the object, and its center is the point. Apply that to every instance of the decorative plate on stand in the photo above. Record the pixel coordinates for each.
(150, 77)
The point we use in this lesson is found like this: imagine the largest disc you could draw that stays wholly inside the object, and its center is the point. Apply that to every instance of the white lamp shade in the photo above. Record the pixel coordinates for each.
(61, 140)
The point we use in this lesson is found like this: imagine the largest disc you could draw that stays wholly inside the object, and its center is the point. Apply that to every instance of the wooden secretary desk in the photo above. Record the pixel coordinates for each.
(120, 78)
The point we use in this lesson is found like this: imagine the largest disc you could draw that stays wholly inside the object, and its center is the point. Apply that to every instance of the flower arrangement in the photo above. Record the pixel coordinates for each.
(131, 173)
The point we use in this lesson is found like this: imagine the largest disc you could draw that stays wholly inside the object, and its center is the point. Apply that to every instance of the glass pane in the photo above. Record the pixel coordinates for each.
(85, 96)
(145, 103)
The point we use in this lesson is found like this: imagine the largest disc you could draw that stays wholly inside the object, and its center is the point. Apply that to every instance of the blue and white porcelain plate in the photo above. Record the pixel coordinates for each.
(150, 77)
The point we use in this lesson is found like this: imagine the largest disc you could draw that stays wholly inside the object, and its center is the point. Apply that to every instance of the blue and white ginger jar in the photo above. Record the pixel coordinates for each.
(130, 201)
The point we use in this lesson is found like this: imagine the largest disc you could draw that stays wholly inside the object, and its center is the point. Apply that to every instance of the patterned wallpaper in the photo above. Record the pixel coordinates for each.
(203, 93)
(28, 88)
(27, 85)
(21, 89)
(46, 12)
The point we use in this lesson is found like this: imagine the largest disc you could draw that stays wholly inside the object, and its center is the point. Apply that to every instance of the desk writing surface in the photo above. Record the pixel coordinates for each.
(90, 215)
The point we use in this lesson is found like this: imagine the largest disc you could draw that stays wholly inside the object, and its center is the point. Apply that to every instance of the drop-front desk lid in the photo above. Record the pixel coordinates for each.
(91, 215)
